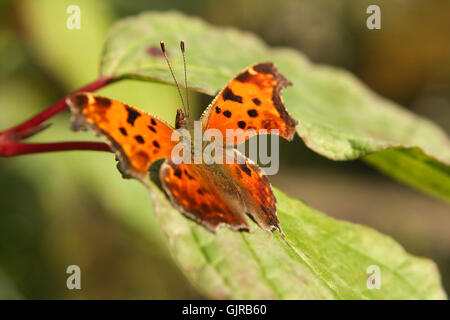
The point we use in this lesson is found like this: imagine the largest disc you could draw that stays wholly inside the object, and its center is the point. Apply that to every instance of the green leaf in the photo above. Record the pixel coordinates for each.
(338, 116)
(319, 258)
(59, 48)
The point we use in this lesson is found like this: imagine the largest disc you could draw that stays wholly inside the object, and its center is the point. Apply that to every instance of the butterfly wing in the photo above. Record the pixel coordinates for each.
(203, 195)
(251, 101)
(221, 194)
(255, 191)
(138, 138)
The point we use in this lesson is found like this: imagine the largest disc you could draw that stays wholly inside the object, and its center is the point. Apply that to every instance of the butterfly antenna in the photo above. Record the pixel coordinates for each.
(185, 76)
(163, 49)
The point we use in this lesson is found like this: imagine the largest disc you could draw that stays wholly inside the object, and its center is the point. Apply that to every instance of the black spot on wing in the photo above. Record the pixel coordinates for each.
(152, 129)
(132, 115)
(252, 113)
(227, 113)
(256, 101)
(229, 95)
(153, 122)
(156, 144)
(241, 124)
(102, 102)
(266, 67)
(178, 173)
(139, 139)
(218, 110)
(242, 77)
(123, 131)
(246, 169)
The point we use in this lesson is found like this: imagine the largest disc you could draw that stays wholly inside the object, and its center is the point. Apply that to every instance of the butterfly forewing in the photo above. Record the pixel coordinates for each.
(138, 138)
(250, 102)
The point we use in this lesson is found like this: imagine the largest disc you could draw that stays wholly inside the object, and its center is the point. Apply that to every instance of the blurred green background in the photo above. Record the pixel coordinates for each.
(70, 208)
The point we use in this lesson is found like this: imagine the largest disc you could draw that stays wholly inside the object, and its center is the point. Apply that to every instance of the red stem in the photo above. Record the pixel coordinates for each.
(10, 139)
(56, 108)
(15, 149)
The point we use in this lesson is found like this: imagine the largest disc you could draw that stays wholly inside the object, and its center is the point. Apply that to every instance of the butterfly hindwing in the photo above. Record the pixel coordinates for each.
(138, 138)
(202, 195)
(251, 101)
(255, 190)
(221, 194)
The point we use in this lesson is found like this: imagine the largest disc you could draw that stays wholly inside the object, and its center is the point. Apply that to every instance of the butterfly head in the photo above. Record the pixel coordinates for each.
(180, 120)
(183, 121)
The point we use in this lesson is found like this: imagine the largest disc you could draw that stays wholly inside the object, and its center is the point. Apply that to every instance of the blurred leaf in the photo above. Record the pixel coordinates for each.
(338, 117)
(413, 166)
(320, 258)
(58, 48)
(8, 290)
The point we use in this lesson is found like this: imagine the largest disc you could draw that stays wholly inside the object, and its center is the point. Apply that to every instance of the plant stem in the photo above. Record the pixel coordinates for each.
(10, 139)
(15, 149)
(55, 108)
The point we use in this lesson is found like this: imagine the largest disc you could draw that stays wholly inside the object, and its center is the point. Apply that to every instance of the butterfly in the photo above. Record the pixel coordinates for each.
(210, 194)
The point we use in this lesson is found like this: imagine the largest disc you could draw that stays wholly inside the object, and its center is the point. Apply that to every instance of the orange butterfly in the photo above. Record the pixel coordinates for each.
(211, 194)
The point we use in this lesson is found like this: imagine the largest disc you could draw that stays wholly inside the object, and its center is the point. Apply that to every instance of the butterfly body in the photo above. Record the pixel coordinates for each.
(211, 193)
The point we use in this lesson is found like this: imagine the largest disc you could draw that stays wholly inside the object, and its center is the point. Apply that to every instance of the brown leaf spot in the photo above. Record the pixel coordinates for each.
(154, 51)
